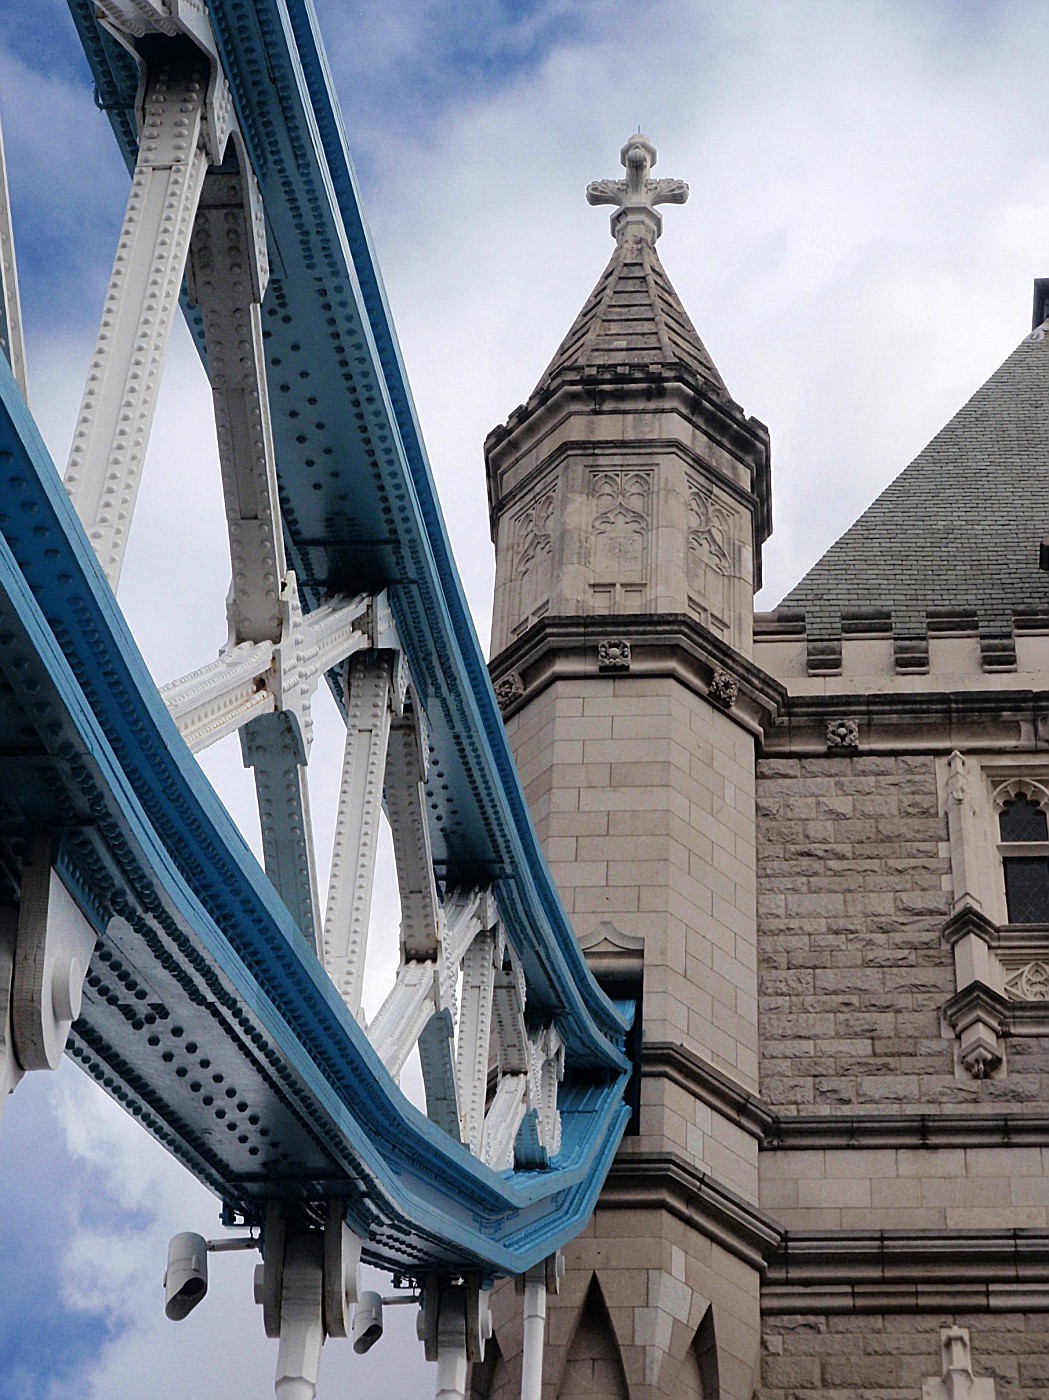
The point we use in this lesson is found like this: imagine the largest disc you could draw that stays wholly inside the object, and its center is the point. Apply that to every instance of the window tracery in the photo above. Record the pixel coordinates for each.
(1023, 846)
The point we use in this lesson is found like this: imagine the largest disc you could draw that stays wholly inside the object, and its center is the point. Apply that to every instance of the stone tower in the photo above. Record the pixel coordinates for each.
(871, 761)
(629, 502)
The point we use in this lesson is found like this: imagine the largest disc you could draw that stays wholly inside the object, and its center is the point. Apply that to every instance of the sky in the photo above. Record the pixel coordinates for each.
(869, 206)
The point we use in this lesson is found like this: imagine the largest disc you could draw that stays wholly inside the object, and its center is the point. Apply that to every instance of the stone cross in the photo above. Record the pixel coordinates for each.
(635, 197)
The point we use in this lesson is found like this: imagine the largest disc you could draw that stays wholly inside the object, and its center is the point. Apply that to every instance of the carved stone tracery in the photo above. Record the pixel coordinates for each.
(621, 523)
(613, 654)
(843, 734)
(508, 690)
(709, 530)
(533, 559)
(1029, 983)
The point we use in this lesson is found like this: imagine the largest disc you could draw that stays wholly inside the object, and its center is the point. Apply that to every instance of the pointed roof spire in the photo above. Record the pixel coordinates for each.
(635, 197)
(633, 322)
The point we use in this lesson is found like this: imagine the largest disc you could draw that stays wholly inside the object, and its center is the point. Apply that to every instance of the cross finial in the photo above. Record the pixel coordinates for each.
(635, 197)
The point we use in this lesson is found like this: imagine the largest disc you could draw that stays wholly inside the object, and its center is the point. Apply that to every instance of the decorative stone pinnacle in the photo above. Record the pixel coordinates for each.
(635, 197)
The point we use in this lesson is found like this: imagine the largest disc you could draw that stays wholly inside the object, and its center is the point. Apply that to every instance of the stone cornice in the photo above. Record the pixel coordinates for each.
(613, 390)
(909, 1130)
(905, 721)
(661, 644)
(908, 1271)
(709, 1085)
(667, 1181)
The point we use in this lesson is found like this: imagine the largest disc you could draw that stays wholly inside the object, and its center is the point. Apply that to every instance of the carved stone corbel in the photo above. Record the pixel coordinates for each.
(976, 1012)
(977, 1017)
(957, 1381)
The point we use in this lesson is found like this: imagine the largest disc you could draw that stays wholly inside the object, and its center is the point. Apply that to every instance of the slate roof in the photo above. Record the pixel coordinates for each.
(633, 319)
(959, 529)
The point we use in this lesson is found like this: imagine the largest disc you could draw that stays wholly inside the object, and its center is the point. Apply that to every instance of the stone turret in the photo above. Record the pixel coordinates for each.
(630, 482)
(629, 502)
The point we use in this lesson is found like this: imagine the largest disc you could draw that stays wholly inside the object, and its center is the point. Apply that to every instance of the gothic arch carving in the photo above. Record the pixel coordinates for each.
(717, 564)
(593, 1367)
(1016, 787)
(709, 532)
(533, 560)
(620, 525)
(697, 1377)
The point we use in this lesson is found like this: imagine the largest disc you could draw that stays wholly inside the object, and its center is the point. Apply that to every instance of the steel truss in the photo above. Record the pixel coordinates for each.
(215, 1001)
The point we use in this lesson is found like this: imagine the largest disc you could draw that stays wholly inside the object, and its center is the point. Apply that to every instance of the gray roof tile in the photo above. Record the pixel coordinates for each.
(960, 527)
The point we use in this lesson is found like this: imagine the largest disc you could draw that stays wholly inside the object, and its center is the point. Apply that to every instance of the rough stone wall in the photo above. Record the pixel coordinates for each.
(842, 1357)
(853, 974)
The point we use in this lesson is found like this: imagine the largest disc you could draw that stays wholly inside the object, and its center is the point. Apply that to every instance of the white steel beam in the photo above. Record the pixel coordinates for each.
(312, 644)
(11, 343)
(256, 678)
(116, 412)
(475, 1026)
(437, 1061)
(219, 698)
(502, 1121)
(227, 276)
(406, 765)
(272, 750)
(401, 1019)
(10, 1070)
(369, 680)
(508, 1018)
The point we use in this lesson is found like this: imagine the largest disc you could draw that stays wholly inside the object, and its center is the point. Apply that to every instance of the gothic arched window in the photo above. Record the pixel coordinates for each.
(1023, 826)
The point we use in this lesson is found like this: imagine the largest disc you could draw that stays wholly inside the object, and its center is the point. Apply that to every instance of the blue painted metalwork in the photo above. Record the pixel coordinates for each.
(206, 1013)
(360, 508)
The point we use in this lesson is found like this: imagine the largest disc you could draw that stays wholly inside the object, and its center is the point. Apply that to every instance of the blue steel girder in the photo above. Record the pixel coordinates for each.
(206, 1013)
(357, 494)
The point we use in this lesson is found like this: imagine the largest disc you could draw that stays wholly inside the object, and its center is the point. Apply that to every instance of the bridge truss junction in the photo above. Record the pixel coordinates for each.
(219, 1003)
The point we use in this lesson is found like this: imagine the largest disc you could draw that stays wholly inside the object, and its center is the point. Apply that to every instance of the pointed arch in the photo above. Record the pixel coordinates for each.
(593, 1367)
(491, 1378)
(697, 1375)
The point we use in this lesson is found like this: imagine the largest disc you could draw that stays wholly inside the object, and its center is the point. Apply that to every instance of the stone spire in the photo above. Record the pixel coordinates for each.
(635, 197)
(630, 482)
(633, 322)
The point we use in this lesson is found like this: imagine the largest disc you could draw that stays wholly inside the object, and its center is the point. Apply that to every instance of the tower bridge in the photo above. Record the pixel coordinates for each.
(220, 1002)
(724, 937)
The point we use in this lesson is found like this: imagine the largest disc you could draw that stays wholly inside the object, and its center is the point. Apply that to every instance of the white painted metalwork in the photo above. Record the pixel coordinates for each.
(52, 953)
(406, 764)
(44, 957)
(11, 341)
(371, 694)
(10, 1070)
(116, 412)
(459, 995)
(195, 209)
(535, 1285)
(249, 679)
(217, 699)
(534, 1335)
(456, 1324)
(475, 1032)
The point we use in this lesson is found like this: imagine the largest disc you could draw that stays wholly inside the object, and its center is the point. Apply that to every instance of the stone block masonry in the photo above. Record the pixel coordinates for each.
(808, 1357)
(853, 975)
